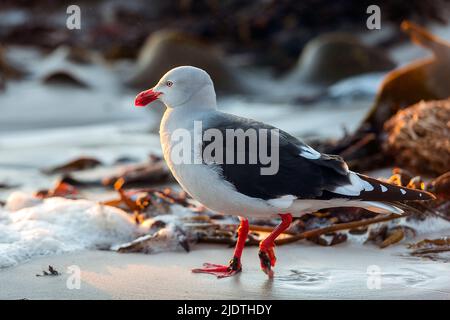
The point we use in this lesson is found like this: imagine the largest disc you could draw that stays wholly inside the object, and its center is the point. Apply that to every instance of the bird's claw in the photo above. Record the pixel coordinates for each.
(267, 259)
(221, 271)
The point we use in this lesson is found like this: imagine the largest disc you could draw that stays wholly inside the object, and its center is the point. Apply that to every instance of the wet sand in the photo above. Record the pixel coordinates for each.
(303, 272)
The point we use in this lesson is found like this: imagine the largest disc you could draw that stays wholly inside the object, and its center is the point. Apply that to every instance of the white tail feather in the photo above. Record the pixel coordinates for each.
(381, 207)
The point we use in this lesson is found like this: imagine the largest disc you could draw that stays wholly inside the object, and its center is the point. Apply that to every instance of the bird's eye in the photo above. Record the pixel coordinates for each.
(169, 83)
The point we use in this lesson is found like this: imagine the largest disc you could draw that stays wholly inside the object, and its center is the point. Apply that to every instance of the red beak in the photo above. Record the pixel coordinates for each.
(146, 97)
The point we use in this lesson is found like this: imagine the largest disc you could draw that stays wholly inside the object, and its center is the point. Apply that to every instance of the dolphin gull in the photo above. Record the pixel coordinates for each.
(219, 159)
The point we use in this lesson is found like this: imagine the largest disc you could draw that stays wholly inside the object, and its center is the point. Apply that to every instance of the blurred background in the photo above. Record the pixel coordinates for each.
(311, 67)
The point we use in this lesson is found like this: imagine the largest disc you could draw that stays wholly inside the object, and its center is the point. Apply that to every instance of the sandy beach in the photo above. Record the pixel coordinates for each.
(303, 272)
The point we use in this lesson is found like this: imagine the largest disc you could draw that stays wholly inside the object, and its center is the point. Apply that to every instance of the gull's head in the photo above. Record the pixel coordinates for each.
(181, 86)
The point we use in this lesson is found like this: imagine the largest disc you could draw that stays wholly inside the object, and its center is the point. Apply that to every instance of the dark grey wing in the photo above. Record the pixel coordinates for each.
(302, 171)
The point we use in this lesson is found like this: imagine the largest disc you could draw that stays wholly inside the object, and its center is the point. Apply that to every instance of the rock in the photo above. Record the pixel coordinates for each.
(7, 69)
(82, 55)
(425, 79)
(71, 66)
(165, 50)
(418, 137)
(335, 56)
(2, 83)
(64, 78)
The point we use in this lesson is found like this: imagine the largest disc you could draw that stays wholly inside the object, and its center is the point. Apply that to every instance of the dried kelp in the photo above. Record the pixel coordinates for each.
(418, 137)
(147, 173)
(314, 233)
(60, 189)
(153, 172)
(384, 236)
(78, 164)
(51, 272)
(149, 202)
(432, 249)
(440, 187)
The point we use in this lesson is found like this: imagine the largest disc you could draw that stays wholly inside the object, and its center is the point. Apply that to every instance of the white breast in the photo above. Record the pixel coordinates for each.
(203, 182)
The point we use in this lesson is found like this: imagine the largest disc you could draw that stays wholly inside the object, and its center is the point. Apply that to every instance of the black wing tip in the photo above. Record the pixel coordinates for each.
(427, 195)
(394, 192)
(415, 194)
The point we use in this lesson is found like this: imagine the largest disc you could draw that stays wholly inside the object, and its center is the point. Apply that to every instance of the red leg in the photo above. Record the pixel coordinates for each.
(235, 266)
(266, 251)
